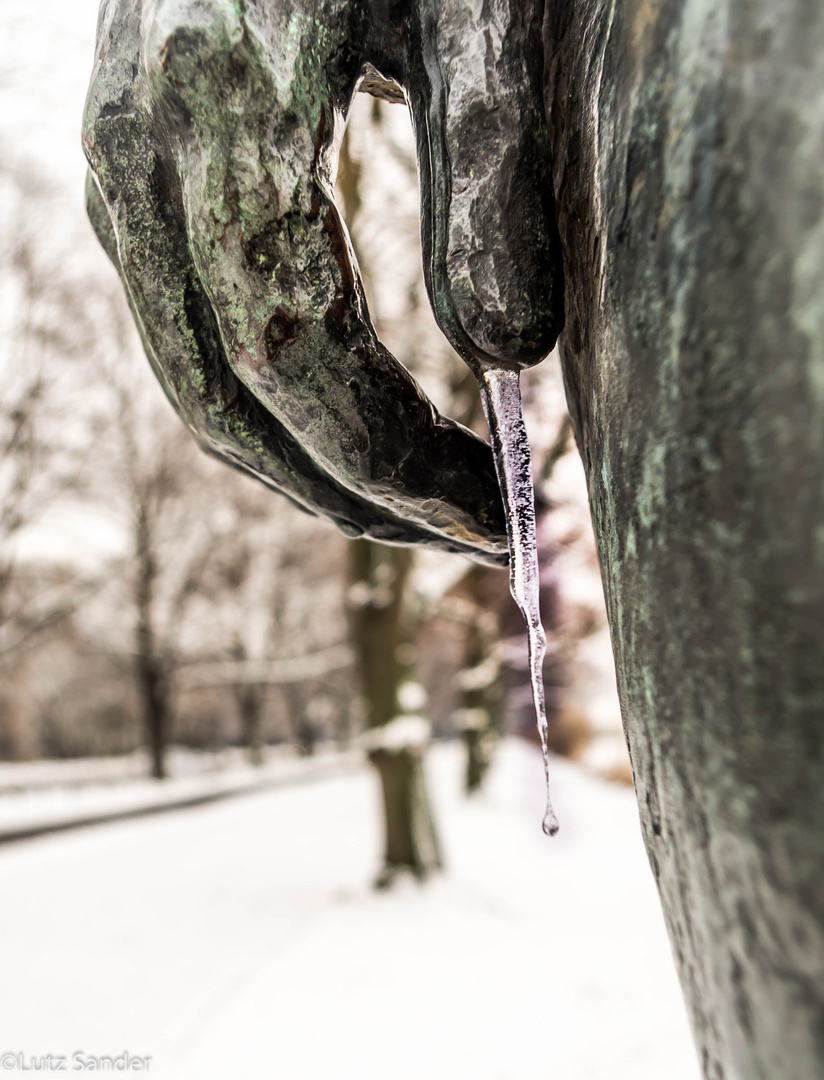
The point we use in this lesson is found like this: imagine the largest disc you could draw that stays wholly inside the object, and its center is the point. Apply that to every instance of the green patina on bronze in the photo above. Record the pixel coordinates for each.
(688, 146)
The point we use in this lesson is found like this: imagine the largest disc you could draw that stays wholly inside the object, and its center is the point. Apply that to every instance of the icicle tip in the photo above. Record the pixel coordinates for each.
(550, 823)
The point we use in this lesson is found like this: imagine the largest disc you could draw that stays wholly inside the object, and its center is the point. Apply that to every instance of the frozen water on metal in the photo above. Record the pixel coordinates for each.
(501, 395)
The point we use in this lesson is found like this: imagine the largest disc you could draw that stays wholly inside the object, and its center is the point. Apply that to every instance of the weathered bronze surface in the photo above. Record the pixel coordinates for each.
(688, 146)
(212, 130)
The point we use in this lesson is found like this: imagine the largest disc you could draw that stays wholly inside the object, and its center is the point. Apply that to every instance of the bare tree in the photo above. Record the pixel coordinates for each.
(382, 629)
(224, 581)
(379, 604)
(208, 568)
(165, 497)
(46, 337)
(274, 573)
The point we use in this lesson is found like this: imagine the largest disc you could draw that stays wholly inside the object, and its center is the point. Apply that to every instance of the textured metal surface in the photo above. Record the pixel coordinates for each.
(212, 130)
(688, 141)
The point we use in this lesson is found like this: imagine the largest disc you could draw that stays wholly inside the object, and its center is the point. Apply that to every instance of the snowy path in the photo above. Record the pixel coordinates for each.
(242, 940)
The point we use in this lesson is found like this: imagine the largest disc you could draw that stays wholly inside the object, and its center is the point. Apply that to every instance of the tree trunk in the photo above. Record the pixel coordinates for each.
(250, 698)
(688, 149)
(152, 676)
(481, 680)
(378, 577)
(153, 691)
(411, 839)
(250, 704)
(479, 739)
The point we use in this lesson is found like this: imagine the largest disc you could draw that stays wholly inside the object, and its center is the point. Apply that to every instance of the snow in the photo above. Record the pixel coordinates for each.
(403, 733)
(41, 796)
(244, 939)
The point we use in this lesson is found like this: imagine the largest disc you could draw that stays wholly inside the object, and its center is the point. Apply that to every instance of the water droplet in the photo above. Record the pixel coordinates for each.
(501, 396)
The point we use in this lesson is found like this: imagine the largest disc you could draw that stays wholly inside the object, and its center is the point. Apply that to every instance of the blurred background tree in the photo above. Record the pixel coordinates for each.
(47, 332)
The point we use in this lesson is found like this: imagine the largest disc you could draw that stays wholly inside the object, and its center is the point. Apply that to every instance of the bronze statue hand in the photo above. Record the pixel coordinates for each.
(212, 130)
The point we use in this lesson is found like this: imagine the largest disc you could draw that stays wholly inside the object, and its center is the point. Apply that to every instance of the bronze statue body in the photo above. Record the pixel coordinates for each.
(688, 143)
(667, 153)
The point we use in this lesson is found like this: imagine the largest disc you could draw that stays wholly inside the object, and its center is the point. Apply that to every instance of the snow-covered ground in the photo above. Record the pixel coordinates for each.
(244, 940)
(181, 761)
(43, 796)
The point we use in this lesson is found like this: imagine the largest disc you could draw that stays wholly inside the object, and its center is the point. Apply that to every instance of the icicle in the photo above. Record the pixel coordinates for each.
(501, 396)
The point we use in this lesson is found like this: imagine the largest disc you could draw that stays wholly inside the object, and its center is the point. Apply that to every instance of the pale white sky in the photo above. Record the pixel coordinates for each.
(46, 51)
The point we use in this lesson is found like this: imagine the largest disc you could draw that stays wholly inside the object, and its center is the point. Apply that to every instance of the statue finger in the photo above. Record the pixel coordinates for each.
(492, 255)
